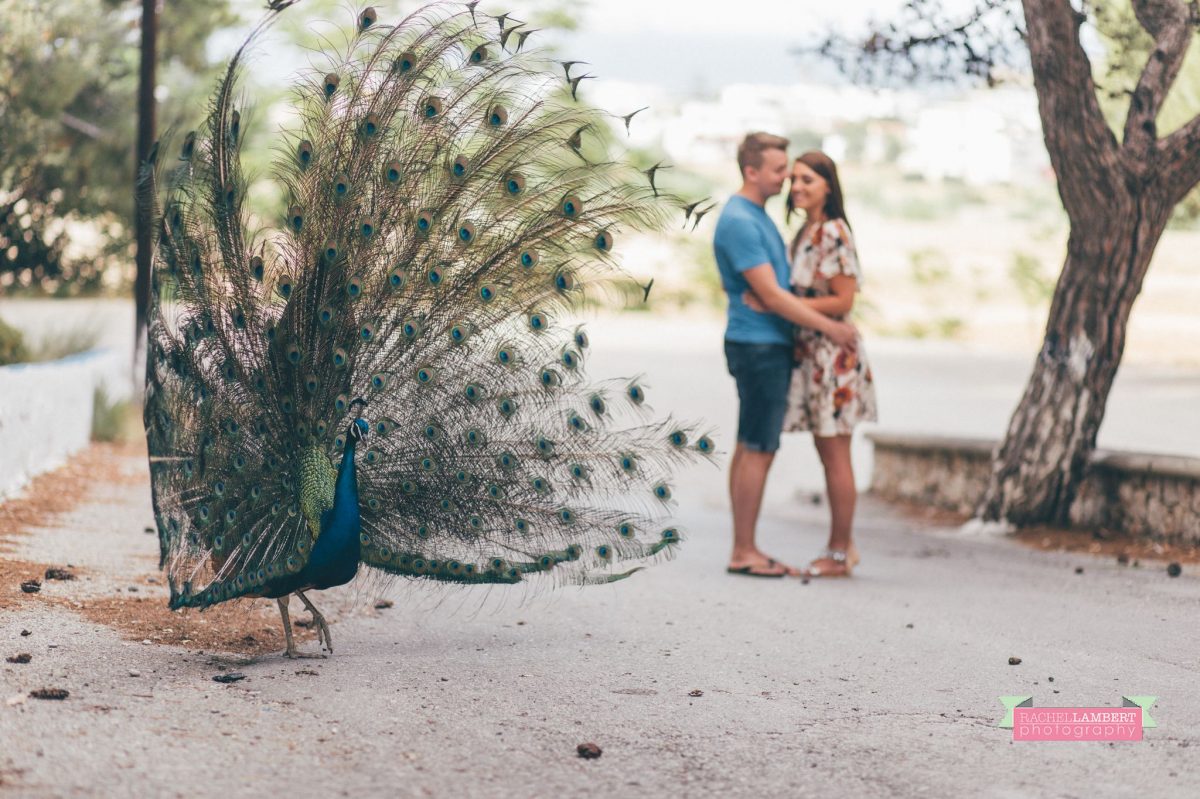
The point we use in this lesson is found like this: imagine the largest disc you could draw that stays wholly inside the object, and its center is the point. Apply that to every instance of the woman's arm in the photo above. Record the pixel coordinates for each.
(796, 310)
(841, 302)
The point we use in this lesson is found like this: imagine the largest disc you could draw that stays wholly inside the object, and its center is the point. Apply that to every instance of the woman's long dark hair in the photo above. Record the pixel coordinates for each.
(834, 208)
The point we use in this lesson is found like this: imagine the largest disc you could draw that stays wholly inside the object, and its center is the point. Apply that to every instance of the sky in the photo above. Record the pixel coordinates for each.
(684, 46)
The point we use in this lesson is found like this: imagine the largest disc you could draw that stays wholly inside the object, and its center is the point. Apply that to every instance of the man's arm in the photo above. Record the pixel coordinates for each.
(782, 302)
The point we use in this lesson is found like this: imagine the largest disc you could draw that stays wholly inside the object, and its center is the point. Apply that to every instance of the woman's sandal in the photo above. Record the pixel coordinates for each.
(842, 568)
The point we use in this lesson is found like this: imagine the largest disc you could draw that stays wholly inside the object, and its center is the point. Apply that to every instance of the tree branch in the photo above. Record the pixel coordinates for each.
(1168, 21)
(1179, 160)
(1083, 150)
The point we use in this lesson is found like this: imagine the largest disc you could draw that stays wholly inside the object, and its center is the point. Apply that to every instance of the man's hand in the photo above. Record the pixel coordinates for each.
(844, 334)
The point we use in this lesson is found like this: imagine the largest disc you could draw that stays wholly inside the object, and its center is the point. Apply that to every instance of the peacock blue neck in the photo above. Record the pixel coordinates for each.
(345, 493)
(335, 555)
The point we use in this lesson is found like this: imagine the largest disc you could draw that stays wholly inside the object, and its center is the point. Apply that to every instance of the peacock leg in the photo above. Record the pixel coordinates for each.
(319, 620)
(287, 632)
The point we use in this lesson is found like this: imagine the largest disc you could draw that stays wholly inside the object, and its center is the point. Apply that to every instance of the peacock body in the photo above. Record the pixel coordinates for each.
(385, 379)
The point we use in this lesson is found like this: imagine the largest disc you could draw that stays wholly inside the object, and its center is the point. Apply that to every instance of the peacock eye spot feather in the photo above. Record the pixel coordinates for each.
(564, 281)
(341, 186)
(341, 402)
(670, 534)
(425, 375)
(635, 394)
(625, 530)
(370, 125)
(405, 62)
(678, 438)
(339, 357)
(529, 259)
(367, 331)
(487, 293)
(435, 277)
(662, 491)
(704, 444)
(466, 233)
(571, 206)
(604, 241)
(366, 228)
(537, 321)
(354, 287)
(431, 107)
(597, 404)
(367, 18)
(332, 82)
(521, 525)
(497, 116)
(305, 152)
(397, 278)
(581, 340)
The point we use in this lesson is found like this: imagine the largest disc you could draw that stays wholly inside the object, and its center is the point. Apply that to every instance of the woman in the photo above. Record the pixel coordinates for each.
(832, 388)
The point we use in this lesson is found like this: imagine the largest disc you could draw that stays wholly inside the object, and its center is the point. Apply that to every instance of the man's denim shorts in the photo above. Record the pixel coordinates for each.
(763, 373)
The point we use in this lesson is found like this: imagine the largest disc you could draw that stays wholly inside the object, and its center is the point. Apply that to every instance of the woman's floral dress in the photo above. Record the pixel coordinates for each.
(832, 387)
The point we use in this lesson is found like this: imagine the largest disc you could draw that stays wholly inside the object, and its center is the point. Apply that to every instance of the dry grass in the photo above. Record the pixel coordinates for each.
(249, 627)
(1053, 539)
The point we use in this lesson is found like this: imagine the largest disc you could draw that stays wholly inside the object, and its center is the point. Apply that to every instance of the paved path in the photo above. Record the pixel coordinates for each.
(806, 688)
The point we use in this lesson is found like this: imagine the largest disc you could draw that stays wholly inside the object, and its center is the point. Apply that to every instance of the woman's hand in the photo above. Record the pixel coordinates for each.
(752, 302)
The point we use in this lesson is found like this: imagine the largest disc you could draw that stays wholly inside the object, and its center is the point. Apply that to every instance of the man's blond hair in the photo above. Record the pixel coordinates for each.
(750, 151)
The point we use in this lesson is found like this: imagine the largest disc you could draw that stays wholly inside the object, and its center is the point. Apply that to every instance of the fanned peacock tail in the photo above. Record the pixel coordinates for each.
(449, 204)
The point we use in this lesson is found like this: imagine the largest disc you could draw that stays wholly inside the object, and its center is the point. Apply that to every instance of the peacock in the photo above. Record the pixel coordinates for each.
(389, 376)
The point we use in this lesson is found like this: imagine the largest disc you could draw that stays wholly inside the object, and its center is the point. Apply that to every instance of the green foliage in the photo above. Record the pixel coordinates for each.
(1031, 282)
(929, 267)
(113, 420)
(68, 85)
(12, 345)
(1128, 49)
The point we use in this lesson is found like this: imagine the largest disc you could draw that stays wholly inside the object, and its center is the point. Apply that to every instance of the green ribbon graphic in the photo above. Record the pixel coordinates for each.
(1010, 702)
(1144, 702)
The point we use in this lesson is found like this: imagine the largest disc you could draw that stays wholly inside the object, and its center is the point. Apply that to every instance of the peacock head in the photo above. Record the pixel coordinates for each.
(358, 430)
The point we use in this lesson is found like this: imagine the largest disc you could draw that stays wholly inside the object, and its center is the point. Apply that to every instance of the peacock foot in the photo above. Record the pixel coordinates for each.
(297, 654)
(318, 620)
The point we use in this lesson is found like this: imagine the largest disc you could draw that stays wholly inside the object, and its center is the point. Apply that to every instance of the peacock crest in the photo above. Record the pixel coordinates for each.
(449, 202)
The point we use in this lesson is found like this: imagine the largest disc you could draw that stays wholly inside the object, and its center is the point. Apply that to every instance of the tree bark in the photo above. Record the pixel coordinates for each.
(144, 234)
(1038, 467)
(1118, 199)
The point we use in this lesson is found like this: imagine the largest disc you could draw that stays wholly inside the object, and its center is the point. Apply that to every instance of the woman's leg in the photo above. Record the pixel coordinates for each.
(839, 485)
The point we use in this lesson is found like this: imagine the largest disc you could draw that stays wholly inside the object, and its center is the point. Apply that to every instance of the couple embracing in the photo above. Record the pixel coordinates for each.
(798, 365)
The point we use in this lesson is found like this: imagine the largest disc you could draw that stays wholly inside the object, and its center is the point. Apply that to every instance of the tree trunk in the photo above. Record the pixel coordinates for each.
(142, 214)
(1036, 470)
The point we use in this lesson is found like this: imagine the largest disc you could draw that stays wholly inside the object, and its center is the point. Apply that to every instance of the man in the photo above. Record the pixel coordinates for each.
(751, 254)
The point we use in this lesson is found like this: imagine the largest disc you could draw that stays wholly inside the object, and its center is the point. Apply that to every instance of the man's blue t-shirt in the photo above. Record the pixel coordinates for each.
(745, 238)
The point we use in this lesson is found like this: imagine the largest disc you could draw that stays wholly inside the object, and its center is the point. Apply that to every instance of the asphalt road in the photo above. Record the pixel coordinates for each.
(806, 689)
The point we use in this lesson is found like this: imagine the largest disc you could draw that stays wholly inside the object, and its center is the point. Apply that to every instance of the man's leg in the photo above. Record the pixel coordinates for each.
(747, 480)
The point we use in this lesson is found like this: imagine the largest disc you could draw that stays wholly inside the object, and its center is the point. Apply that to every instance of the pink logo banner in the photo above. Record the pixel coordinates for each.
(1077, 724)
